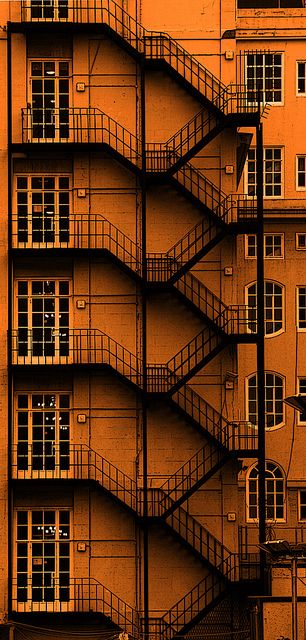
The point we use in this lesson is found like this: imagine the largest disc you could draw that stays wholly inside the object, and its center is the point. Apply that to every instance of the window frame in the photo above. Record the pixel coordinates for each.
(299, 94)
(247, 493)
(274, 399)
(297, 157)
(298, 308)
(272, 320)
(248, 185)
(301, 423)
(264, 66)
(273, 257)
(300, 233)
(300, 519)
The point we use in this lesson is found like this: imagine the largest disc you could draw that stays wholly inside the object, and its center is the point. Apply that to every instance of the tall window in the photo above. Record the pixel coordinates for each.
(42, 318)
(42, 433)
(274, 393)
(301, 308)
(301, 416)
(273, 307)
(43, 204)
(275, 493)
(301, 77)
(49, 9)
(272, 172)
(49, 89)
(264, 72)
(300, 173)
(43, 559)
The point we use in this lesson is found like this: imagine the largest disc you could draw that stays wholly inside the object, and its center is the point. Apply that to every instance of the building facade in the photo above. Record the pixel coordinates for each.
(129, 457)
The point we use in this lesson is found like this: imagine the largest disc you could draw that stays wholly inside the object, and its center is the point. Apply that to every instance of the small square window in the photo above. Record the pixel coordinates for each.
(300, 241)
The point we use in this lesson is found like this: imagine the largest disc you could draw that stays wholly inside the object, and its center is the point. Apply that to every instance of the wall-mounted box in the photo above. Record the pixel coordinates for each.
(80, 86)
(81, 304)
(81, 546)
(81, 193)
(81, 418)
(229, 169)
(229, 55)
(231, 516)
(228, 271)
(229, 384)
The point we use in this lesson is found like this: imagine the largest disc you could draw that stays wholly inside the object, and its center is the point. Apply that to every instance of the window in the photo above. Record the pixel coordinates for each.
(43, 559)
(275, 493)
(301, 77)
(42, 434)
(49, 9)
(302, 504)
(49, 90)
(300, 183)
(273, 245)
(273, 307)
(274, 393)
(43, 206)
(302, 390)
(42, 316)
(272, 172)
(269, 4)
(301, 308)
(300, 241)
(264, 73)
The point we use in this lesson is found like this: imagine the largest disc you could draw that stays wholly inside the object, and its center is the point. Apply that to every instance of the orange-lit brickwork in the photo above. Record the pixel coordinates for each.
(128, 346)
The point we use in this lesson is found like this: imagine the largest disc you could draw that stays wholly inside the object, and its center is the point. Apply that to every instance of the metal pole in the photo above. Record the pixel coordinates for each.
(294, 610)
(260, 346)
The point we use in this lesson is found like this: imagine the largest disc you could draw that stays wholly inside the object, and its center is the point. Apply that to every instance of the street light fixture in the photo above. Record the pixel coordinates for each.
(297, 402)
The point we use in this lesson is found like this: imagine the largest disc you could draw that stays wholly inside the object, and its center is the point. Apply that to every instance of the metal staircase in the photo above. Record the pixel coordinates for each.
(155, 47)
(86, 464)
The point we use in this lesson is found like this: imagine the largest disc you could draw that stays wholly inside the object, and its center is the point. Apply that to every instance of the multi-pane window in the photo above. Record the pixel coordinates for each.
(43, 557)
(274, 393)
(300, 241)
(302, 392)
(275, 493)
(302, 504)
(273, 294)
(301, 77)
(272, 172)
(49, 86)
(42, 318)
(300, 172)
(42, 424)
(301, 307)
(43, 205)
(48, 9)
(273, 245)
(264, 75)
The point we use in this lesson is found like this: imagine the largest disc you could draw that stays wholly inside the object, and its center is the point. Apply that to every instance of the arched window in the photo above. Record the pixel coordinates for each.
(274, 393)
(274, 294)
(275, 493)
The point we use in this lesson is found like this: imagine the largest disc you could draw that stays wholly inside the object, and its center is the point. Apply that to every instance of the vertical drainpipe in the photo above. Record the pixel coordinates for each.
(260, 347)
(144, 354)
(10, 302)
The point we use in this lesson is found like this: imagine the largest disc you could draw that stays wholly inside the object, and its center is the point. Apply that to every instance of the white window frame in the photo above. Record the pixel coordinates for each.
(297, 235)
(301, 386)
(265, 78)
(300, 505)
(254, 520)
(274, 427)
(273, 308)
(298, 307)
(265, 160)
(56, 110)
(297, 172)
(31, 409)
(300, 94)
(268, 257)
(27, 12)
(32, 605)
